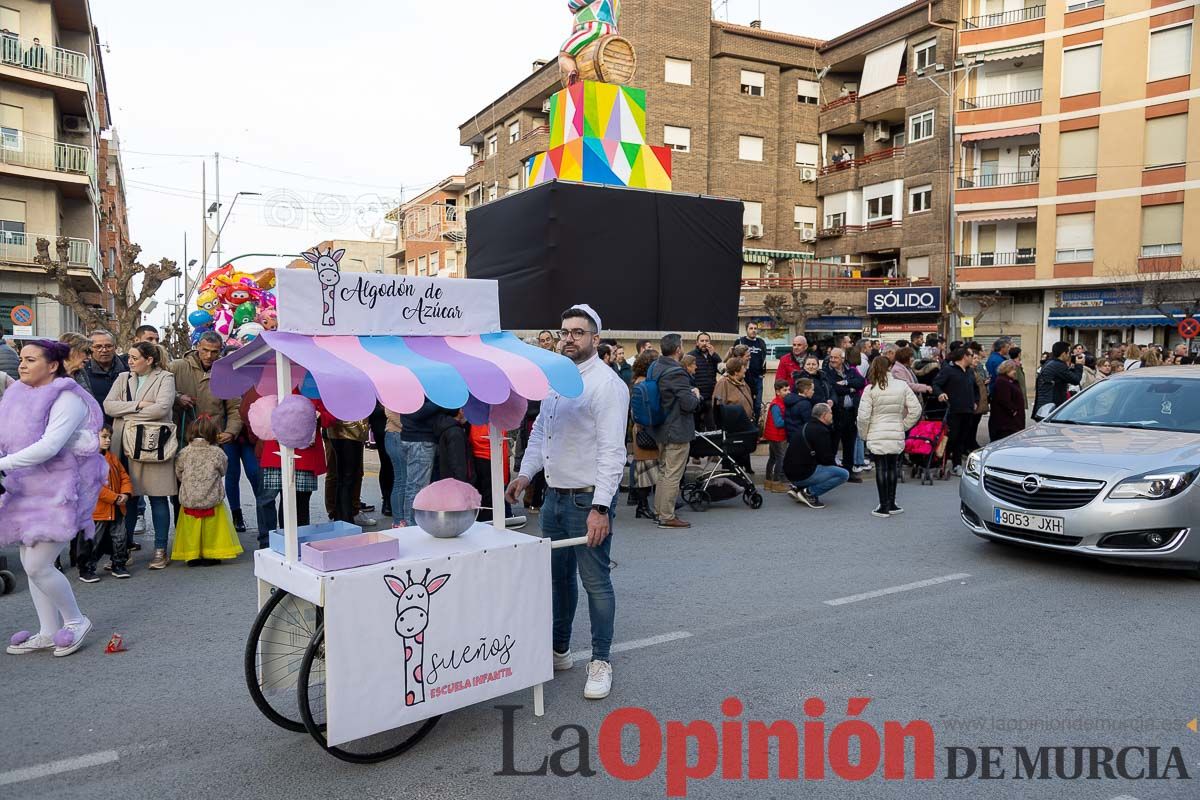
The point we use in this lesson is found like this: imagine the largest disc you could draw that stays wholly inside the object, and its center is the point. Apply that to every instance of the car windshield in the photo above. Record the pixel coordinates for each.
(1169, 404)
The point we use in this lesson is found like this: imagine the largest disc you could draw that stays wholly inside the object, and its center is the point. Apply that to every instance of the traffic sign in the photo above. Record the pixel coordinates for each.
(1189, 328)
(22, 320)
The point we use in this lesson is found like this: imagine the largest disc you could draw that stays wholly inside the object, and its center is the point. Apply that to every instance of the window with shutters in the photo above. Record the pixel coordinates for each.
(412, 266)
(1074, 237)
(1081, 70)
(514, 131)
(492, 142)
(804, 217)
(434, 259)
(677, 138)
(879, 208)
(917, 267)
(1170, 53)
(422, 265)
(750, 148)
(985, 244)
(751, 212)
(492, 192)
(925, 54)
(808, 91)
(451, 263)
(11, 125)
(1162, 230)
(920, 126)
(10, 20)
(678, 70)
(1166, 141)
(920, 199)
(753, 83)
(1077, 153)
(514, 182)
(806, 154)
(1026, 242)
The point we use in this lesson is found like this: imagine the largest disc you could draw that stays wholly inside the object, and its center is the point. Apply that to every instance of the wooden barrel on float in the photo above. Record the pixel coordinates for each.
(609, 59)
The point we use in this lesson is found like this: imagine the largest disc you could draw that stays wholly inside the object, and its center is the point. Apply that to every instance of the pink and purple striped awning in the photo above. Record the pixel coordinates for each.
(491, 376)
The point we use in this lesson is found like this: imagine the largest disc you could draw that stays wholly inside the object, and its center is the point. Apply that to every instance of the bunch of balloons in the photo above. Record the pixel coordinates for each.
(237, 305)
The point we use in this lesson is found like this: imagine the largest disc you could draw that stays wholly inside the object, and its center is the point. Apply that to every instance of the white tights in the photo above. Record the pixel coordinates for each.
(50, 589)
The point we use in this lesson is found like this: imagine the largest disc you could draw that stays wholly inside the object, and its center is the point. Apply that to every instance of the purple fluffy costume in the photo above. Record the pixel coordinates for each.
(54, 500)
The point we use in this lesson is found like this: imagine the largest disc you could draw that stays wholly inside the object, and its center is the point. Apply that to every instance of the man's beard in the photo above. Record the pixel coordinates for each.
(582, 353)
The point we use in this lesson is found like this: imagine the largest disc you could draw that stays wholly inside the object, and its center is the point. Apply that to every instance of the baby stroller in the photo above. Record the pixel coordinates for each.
(925, 445)
(725, 478)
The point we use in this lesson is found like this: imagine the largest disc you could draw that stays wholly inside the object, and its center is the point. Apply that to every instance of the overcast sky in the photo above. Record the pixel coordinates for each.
(332, 111)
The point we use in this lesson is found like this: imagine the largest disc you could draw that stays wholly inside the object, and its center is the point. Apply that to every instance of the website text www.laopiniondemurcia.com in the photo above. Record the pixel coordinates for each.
(852, 749)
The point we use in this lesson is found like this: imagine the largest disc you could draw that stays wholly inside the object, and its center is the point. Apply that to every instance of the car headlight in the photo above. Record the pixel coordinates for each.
(1154, 485)
(974, 467)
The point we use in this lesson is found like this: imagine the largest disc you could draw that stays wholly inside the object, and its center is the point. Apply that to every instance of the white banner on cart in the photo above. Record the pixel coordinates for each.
(329, 302)
(408, 640)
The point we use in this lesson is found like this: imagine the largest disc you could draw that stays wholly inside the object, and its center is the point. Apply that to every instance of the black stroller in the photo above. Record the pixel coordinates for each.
(725, 478)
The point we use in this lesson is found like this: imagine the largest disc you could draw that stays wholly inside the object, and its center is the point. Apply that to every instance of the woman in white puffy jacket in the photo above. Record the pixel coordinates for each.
(888, 409)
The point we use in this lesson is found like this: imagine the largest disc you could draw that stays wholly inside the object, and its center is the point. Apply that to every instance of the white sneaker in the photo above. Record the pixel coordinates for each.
(80, 630)
(599, 680)
(856, 470)
(140, 525)
(867, 467)
(31, 645)
(363, 521)
(562, 661)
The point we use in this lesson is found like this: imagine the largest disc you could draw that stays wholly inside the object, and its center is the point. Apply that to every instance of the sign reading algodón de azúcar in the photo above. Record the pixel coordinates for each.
(328, 302)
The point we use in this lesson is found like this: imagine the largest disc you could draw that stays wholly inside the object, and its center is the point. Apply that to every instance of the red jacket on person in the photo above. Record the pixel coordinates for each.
(788, 365)
(310, 459)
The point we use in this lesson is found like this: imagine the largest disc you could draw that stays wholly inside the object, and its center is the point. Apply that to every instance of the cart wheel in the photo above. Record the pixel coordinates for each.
(756, 501)
(369, 750)
(281, 632)
(694, 496)
(9, 580)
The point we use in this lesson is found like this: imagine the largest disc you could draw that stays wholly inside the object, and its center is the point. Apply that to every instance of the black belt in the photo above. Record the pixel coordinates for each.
(581, 490)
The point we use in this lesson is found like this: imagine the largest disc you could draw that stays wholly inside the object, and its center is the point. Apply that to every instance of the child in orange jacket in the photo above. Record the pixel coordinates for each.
(109, 517)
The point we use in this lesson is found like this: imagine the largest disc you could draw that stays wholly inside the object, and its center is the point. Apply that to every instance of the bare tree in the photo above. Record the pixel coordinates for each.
(984, 302)
(1167, 294)
(127, 299)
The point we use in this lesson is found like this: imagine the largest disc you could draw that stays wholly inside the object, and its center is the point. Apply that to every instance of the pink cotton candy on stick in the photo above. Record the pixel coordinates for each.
(508, 415)
(448, 495)
(294, 421)
(260, 416)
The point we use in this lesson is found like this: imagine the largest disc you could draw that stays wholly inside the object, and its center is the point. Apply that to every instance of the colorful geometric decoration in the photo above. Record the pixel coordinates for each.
(598, 135)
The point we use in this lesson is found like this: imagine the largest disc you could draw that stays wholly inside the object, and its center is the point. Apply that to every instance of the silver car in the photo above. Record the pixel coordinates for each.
(1109, 474)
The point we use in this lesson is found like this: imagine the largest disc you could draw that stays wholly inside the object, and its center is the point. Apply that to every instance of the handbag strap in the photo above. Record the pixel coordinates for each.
(804, 436)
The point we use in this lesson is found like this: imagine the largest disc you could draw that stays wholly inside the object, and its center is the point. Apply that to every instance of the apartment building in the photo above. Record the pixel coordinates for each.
(737, 104)
(52, 112)
(1077, 177)
(884, 165)
(430, 235)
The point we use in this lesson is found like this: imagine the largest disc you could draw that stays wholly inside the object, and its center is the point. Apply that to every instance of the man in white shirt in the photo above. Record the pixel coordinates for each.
(580, 444)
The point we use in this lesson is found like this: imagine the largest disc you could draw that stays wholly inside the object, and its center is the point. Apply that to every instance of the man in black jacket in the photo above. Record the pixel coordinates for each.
(956, 386)
(1055, 376)
(808, 463)
(756, 365)
(845, 385)
(707, 365)
(679, 400)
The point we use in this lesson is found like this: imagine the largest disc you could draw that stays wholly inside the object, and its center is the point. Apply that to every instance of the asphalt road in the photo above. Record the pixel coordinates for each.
(993, 646)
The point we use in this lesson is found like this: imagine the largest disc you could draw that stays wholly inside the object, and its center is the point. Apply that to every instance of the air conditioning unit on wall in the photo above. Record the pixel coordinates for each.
(881, 131)
(73, 123)
(752, 231)
(808, 174)
(546, 106)
(808, 233)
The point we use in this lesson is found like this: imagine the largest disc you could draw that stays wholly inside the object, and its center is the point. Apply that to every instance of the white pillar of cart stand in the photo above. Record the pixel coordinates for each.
(291, 543)
(496, 442)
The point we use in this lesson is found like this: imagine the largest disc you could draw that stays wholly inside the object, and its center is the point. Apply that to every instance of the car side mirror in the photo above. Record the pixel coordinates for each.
(1046, 410)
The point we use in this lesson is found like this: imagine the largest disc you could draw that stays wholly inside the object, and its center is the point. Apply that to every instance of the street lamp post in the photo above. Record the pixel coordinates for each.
(215, 208)
(964, 68)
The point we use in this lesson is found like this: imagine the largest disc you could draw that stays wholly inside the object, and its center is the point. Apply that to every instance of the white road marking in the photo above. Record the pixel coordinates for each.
(56, 767)
(854, 598)
(636, 644)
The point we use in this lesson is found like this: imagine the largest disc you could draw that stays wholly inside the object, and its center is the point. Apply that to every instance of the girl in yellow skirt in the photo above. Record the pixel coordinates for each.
(204, 531)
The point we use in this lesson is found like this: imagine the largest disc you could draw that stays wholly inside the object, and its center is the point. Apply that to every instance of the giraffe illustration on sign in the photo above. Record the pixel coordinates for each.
(412, 617)
(328, 273)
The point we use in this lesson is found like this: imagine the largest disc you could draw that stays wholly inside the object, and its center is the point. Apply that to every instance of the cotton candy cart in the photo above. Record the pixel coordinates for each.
(367, 659)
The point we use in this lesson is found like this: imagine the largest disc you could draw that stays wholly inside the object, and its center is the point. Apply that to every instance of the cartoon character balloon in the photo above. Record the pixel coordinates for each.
(229, 300)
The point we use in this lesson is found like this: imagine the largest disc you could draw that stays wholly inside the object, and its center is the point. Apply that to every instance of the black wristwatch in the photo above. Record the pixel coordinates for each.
(599, 508)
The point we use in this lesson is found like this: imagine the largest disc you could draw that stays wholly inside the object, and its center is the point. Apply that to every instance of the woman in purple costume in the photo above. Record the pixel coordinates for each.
(53, 470)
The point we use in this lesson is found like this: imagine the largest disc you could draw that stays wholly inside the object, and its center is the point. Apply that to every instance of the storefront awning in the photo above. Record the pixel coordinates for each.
(1112, 316)
(1002, 133)
(997, 215)
(834, 324)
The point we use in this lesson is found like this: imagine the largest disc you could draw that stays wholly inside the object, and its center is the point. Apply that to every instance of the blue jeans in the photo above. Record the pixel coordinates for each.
(860, 453)
(239, 454)
(756, 389)
(160, 513)
(823, 480)
(412, 464)
(564, 516)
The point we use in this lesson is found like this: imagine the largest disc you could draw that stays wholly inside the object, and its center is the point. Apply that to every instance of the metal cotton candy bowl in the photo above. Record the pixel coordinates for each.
(445, 524)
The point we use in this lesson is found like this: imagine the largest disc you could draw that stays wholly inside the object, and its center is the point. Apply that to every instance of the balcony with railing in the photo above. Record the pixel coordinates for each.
(20, 248)
(992, 180)
(1000, 100)
(56, 62)
(887, 103)
(835, 276)
(433, 222)
(839, 114)
(32, 151)
(1022, 257)
(1012, 17)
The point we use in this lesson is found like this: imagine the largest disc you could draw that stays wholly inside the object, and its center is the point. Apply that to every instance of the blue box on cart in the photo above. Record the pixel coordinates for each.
(315, 533)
